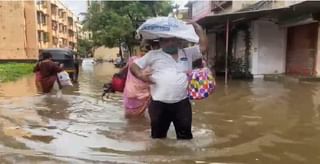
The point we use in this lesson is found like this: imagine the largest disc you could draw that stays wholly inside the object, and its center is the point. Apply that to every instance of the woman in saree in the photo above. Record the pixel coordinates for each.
(136, 93)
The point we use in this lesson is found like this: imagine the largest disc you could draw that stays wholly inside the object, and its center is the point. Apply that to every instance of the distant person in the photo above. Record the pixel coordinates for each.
(77, 67)
(119, 62)
(48, 73)
(118, 59)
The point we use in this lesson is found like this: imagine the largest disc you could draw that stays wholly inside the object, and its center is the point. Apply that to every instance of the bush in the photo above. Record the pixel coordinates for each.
(13, 71)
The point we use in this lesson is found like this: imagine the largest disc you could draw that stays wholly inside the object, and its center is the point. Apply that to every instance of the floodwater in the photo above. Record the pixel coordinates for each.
(246, 122)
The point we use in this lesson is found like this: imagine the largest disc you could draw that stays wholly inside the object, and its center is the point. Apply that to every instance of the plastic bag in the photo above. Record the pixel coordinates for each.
(201, 83)
(167, 27)
(64, 78)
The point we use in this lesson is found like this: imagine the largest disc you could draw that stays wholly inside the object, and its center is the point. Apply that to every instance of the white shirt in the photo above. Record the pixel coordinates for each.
(169, 75)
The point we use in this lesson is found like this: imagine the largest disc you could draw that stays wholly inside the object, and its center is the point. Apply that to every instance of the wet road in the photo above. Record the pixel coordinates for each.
(248, 122)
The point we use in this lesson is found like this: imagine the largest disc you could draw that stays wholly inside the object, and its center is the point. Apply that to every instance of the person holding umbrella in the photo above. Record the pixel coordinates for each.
(168, 76)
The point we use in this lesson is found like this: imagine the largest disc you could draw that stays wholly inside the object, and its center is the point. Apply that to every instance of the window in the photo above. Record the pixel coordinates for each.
(55, 40)
(38, 17)
(71, 33)
(64, 42)
(60, 27)
(43, 19)
(54, 25)
(40, 36)
(60, 14)
(70, 21)
(65, 29)
(64, 15)
(44, 4)
(45, 36)
(53, 10)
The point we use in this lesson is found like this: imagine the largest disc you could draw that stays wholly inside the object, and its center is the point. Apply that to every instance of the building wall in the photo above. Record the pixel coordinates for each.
(238, 5)
(292, 2)
(239, 45)
(31, 31)
(317, 66)
(17, 30)
(211, 49)
(106, 53)
(268, 48)
(200, 9)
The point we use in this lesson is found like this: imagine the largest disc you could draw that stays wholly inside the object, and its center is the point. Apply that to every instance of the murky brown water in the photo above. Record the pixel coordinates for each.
(248, 122)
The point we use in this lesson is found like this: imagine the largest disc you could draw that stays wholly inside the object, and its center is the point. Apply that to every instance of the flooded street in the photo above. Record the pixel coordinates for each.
(248, 122)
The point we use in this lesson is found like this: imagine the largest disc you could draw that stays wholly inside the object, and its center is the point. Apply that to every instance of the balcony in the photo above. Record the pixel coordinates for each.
(71, 28)
(54, 17)
(258, 6)
(54, 33)
(43, 45)
(53, 1)
(217, 6)
(43, 10)
(70, 39)
(42, 27)
(64, 36)
(55, 40)
(42, 6)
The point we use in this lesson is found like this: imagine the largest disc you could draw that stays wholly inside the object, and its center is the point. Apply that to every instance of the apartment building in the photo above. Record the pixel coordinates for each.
(56, 25)
(83, 34)
(27, 26)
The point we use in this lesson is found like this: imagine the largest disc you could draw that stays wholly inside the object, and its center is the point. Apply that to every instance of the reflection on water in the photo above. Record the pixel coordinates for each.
(246, 122)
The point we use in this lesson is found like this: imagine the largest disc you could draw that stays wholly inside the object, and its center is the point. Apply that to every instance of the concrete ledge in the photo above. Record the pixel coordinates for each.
(275, 77)
(18, 60)
(309, 79)
(286, 78)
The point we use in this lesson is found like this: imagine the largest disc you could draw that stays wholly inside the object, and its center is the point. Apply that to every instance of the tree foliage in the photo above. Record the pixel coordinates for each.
(85, 47)
(114, 22)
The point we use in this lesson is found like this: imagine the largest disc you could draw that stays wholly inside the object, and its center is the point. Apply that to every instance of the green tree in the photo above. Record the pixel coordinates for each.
(115, 22)
(85, 47)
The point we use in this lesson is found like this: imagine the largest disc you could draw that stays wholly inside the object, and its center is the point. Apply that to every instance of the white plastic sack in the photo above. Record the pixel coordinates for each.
(167, 27)
(64, 78)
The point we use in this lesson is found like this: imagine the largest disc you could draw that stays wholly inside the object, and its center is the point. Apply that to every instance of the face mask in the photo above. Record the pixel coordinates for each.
(170, 50)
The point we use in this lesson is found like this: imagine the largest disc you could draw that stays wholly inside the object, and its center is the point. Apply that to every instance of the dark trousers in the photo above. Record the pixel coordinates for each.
(162, 114)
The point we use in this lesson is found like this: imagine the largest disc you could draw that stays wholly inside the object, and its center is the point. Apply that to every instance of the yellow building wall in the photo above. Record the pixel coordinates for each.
(31, 30)
(17, 30)
(106, 53)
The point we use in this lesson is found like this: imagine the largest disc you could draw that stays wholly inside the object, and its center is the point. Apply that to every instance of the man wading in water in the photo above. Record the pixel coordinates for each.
(169, 82)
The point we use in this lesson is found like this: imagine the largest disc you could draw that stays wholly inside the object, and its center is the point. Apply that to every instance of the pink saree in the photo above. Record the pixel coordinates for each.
(136, 94)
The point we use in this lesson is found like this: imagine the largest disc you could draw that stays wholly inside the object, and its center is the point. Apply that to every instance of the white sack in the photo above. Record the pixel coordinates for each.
(167, 27)
(64, 78)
